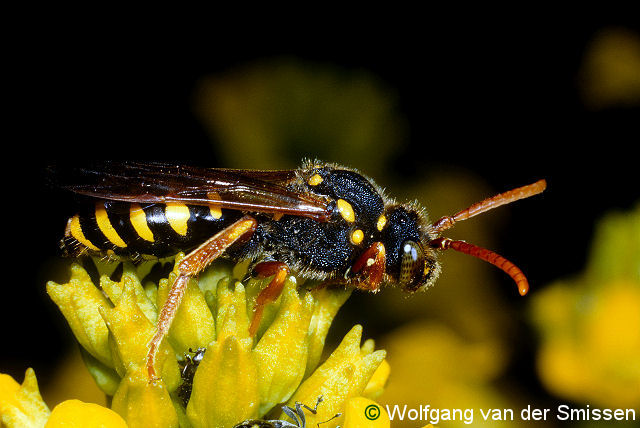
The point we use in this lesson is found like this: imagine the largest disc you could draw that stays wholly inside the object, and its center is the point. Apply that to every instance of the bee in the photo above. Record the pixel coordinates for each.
(322, 221)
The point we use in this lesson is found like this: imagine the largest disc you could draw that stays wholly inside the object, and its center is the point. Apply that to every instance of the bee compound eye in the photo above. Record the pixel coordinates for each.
(412, 265)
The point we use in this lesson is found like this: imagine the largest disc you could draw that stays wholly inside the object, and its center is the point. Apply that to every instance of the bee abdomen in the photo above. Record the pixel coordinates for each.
(128, 230)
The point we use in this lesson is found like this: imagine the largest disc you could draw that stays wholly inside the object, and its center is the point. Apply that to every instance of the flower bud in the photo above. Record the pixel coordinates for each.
(79, 301)
(21, 405)
(143, 403)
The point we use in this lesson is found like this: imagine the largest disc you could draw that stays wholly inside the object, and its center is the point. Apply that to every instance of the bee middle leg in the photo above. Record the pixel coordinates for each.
(194, 263)
(280, 272)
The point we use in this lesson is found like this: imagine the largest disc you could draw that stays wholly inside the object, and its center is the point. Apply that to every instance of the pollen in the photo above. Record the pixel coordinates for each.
(357, 236)
(315, 180)
(346, 210)
(382, 222)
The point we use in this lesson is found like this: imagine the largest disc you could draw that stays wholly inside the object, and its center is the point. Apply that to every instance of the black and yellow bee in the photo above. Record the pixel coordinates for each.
(322, 221)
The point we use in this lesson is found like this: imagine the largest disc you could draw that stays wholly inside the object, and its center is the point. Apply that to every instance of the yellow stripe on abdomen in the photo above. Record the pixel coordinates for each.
(75, 230)
(139, 222)
(177, 215)
(105, 226)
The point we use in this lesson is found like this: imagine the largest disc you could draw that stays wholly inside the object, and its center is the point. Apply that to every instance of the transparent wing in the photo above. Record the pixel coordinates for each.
(154, 182)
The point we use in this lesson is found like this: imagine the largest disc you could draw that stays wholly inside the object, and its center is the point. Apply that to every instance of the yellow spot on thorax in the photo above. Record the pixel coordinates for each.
(382, 222)
(177, 215)
(346, 210)
(357, 236)
(105, 226)
(315, 180)
(74, 229)
(139, 222)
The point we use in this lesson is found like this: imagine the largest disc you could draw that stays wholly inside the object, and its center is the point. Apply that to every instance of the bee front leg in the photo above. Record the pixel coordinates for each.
(194, 263)
(370, 268)
(280, 272)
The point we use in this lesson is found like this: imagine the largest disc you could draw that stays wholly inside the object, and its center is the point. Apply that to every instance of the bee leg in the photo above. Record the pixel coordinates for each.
(194, 263)
(370, 266)
(280, 272)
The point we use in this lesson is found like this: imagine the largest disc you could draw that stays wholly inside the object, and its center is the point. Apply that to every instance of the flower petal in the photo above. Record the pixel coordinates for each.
(231, 314)
(131, 332)
(193, 326)
(79, 300)
(75, 413)
(225, 387)
(376, 384)
(344, 375)
(329, 302)
(22, 405)
(281, 354)
(142, 403)
(130, 279)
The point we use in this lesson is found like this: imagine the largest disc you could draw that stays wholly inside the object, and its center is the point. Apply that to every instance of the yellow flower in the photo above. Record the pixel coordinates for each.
(345, 374)
(590, 325)
(21, 406)
(75, 413)
(375, 416)
(435, 365)
(213, 373)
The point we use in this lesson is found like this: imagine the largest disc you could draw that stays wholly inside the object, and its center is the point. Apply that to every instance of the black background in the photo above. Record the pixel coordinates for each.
(495, 96)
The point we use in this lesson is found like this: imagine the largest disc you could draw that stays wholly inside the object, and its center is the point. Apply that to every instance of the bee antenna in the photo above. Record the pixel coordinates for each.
(488, 256)
(490, 203)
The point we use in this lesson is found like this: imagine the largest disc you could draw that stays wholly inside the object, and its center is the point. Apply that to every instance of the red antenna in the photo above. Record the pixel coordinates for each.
(482, 253)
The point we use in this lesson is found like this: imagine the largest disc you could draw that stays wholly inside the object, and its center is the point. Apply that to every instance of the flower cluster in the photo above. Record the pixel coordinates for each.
(239, 377)
(22, 406)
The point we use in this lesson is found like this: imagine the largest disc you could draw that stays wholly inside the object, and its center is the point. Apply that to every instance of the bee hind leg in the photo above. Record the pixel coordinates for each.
(190, 266)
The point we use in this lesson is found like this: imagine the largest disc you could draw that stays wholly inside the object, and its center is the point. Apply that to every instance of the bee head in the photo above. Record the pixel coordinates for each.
(412, 245)
(410, 262)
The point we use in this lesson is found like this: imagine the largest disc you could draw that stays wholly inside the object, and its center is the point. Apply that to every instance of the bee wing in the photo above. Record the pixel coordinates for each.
(153, 182)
